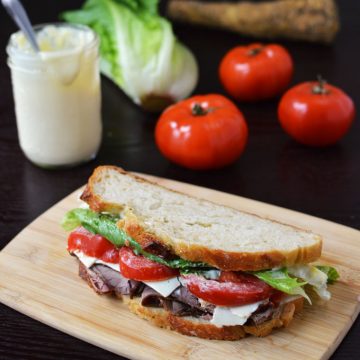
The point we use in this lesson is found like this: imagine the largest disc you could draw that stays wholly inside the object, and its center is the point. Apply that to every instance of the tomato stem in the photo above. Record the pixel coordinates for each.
(319, 88)
(198, 110)
(255, 51)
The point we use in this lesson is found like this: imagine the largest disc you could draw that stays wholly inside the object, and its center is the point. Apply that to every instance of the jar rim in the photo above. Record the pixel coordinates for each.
(12, 50)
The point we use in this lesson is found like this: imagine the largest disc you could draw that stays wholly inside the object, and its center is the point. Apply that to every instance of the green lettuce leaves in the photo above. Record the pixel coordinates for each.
(292, 279)
(331, 273)
(105, 225)
(102, 224)
(281, 280)
(139, 50)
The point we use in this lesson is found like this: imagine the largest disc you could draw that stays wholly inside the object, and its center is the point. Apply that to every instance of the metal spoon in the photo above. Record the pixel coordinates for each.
(18, 14)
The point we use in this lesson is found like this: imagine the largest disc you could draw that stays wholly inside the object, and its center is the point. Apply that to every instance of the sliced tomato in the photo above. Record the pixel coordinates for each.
(239, 277)
(232, 289)
(276, 297)
(138, 267)
(93, 245)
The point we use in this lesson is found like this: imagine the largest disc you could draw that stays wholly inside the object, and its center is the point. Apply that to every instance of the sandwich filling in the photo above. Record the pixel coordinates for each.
(175, 297)
(114, 263)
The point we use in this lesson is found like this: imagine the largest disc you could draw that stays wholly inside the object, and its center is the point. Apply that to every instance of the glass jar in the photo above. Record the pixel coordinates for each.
(57, 94)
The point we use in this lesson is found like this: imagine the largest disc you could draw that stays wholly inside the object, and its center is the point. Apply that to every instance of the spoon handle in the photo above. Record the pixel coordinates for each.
(18, 14)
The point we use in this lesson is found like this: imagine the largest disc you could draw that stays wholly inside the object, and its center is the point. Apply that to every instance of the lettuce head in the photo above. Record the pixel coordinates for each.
(139, 50)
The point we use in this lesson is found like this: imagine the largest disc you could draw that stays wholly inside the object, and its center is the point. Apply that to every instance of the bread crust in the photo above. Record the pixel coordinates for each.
(224, 260)
(205, 330)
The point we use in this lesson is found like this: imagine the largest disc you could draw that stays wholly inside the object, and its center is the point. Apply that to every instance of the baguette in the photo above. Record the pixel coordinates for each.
(196, 229)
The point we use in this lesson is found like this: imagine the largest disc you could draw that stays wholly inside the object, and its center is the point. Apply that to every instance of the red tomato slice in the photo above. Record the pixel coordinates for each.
(239, 277)
(232, 289)
(276, 297)
(140, 268)
(93, 245)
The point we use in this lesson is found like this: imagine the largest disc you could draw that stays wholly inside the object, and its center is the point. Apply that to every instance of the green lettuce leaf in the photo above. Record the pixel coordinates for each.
(314, 278)
(331, 273)
(139, 50)
(105, 225)
(281, 280)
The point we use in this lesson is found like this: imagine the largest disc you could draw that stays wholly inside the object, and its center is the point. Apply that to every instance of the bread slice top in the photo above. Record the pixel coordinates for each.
(196, 229)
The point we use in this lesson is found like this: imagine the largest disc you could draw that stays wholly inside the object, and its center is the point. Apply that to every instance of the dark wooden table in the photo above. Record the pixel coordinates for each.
(274, 169)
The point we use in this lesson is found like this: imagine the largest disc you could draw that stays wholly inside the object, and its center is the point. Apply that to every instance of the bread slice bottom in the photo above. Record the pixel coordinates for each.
(192, 326)
(204, 329)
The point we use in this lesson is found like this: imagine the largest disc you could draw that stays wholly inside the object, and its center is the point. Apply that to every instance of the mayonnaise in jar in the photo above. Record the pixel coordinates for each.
(57, 94)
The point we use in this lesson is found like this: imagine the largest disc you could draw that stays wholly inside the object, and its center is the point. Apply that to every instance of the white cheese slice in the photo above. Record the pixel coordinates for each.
(164, 287)
(115, 267)
(89, 261)
(235, 315)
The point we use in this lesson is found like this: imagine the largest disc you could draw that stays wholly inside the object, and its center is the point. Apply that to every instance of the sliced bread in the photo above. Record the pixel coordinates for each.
(197, 229)
(204, 329)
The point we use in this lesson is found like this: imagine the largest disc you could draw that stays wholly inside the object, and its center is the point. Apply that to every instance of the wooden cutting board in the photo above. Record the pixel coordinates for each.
(39, 279)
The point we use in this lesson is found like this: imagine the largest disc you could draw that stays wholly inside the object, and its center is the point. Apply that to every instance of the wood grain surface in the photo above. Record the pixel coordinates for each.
(40, 279)
(273, 169)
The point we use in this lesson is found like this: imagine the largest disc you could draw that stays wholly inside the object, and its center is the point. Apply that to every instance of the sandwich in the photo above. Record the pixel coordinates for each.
(188, 264)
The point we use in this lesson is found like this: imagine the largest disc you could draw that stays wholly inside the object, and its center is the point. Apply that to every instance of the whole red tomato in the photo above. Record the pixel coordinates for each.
(256, 72)
(316, 113)
(202, 132)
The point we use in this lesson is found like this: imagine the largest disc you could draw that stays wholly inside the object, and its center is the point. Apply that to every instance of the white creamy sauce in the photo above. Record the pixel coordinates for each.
(52, 39)
(57, 95)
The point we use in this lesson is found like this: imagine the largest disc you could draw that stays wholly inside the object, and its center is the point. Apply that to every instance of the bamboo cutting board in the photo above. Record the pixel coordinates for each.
(39, 279)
